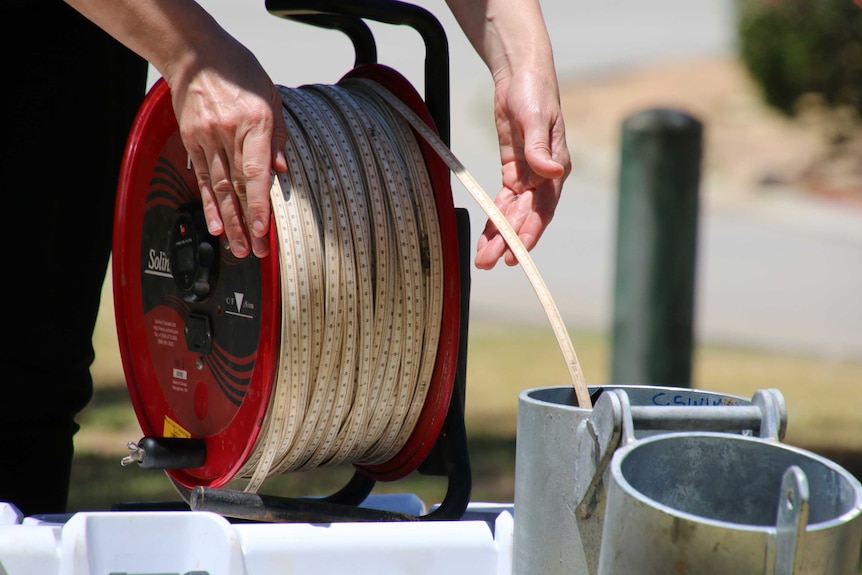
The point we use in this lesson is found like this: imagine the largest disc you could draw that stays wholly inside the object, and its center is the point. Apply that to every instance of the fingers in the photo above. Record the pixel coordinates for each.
(490, 248)
(535, 167)
(211, 210)
(235, 195)
(235, 134)
(224, 200)
(520, 212)
(252, 189)
(260, 154)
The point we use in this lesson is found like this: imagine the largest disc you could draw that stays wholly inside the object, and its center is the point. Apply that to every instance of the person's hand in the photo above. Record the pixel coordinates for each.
(228, 109)
(535, 161)
(231, 123)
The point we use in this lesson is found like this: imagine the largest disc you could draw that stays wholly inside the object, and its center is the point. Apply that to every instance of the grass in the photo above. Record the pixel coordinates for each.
(503, 360)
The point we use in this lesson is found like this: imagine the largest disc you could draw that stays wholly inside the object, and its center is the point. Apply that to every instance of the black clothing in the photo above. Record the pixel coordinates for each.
(69, 98)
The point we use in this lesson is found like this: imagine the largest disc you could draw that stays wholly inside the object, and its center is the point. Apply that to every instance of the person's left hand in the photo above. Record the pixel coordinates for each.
(535, 161)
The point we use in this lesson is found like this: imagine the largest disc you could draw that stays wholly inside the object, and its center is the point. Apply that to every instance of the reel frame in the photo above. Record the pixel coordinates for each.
(448, 455)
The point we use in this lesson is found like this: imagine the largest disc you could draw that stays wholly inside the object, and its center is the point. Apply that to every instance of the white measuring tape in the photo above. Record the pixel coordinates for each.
(362, 280)
(512, 239)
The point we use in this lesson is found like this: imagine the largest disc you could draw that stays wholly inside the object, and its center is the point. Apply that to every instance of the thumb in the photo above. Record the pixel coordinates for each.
(537, 151)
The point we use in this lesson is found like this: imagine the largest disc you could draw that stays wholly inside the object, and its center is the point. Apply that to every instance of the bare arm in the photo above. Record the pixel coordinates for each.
(228, 110)
(511, 38)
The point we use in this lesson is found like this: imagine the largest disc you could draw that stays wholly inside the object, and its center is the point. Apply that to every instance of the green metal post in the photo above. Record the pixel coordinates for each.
(656, 248)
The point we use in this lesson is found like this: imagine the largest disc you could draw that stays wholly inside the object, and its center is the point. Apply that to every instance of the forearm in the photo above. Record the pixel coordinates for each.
(228, 110)
(509, 35)
(173, 35)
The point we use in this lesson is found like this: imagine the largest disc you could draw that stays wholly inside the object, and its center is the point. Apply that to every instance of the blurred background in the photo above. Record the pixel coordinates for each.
(778, 300)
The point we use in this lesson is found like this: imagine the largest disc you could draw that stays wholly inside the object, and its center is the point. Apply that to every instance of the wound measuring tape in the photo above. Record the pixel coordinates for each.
(341, 347)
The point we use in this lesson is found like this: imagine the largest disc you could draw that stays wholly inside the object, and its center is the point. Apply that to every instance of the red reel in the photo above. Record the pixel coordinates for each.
(199, 329)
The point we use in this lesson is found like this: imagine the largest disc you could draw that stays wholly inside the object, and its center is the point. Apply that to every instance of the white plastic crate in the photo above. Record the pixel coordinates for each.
(204, 543)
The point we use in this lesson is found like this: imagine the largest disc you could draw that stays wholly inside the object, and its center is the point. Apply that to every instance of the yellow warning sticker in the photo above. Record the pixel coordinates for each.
(174, 429)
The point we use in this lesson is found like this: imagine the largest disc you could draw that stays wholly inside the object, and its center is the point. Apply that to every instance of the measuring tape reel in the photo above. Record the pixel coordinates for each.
(202, 333)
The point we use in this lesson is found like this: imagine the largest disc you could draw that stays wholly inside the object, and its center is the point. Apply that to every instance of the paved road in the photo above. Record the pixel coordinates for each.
(781, 273)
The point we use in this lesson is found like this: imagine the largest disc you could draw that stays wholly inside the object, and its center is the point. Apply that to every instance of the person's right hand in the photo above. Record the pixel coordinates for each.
(228, 109)
(231, 123)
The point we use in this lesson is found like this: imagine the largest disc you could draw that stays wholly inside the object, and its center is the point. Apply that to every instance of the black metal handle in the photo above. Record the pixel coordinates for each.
(347, 15)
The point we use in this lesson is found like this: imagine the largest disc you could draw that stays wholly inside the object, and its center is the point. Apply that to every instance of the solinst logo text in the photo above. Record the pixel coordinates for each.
(158, 264)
